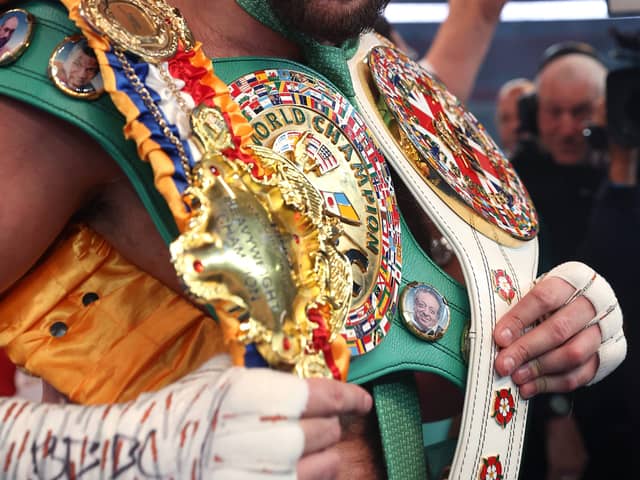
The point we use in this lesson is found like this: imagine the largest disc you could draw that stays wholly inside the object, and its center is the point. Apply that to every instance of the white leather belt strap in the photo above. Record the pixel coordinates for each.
(488, 435)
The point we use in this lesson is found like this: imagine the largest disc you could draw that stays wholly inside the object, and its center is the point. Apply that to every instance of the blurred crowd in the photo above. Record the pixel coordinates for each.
(584, 186)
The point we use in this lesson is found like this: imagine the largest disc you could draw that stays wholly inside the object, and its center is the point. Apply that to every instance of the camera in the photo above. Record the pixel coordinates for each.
(623, 91)
(527, 115)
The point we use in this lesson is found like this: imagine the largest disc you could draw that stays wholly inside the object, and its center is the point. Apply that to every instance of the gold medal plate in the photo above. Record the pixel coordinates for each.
(262, 249)
(149, 29)
(305, 138)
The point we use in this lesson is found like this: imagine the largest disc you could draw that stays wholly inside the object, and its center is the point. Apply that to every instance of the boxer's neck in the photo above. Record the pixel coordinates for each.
(226, 30)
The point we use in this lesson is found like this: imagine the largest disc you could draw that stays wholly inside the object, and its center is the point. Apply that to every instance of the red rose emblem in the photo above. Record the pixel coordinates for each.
(491, 468)
(504, 407)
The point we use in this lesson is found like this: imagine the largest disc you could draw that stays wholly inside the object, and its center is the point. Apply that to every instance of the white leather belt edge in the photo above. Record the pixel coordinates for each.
(481, 437)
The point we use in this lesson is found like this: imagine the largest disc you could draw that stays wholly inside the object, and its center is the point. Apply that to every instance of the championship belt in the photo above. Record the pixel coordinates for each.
(462, 181)
(256, 239)
(301, 117)
(299, 114)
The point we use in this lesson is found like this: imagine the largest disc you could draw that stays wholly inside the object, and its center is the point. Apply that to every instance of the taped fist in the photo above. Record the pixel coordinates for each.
(219, 422)
(565, 333)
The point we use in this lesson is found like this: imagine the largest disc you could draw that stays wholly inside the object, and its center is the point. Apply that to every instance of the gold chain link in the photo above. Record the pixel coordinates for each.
(144, 94)
(168, 79)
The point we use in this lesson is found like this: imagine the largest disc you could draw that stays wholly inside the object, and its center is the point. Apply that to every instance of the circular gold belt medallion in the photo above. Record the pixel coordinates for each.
(150, 30)
(454, 152)
(307, 121)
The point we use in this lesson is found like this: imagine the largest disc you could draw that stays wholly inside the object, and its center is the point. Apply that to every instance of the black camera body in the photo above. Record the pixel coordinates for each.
(623, 92)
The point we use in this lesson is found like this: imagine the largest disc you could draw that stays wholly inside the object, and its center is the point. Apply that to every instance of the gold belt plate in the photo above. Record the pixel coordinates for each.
(150, 29)
(318, 130)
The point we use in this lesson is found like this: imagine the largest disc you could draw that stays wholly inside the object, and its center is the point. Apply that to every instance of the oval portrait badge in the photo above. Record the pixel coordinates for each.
(308, 122)
(74, 69)
(454, 153)
(16, 27)
(424, 311)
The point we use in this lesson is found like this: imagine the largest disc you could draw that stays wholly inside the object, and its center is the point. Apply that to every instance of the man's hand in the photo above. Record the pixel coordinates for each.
(560, 354)
(328, 401)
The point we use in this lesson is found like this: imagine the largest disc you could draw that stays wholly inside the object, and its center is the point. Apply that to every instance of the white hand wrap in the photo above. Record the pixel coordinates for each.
(608, 316)
(218, 422)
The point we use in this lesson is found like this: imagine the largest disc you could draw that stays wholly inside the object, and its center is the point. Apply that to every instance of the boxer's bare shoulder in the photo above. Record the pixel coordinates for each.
(50, 172)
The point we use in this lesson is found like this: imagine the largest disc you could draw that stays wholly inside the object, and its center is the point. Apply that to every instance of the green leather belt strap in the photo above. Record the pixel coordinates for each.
(400, 426)
(401, 350)
(395, 396)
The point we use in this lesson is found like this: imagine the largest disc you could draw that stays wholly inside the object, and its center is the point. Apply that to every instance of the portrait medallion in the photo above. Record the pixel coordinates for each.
(16, 28)
(316, 128)
(450, 149)
(74, 69)
(424, 311)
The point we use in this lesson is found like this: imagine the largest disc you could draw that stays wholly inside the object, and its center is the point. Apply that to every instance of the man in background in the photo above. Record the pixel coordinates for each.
(507, 116)
(560, 171)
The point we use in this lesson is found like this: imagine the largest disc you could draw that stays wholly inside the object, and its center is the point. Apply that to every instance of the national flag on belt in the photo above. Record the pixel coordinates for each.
(325, 160)
(490, 183)
(385, 325)
(283, 87)
(484, 160)
(364, 328)
(367, 343)
(260, 90)
(315, 94)
(243, 99)
(386, 245)
(286, 142)
(250, 79)
(242, 84)
(338, 204)
(322, 156)
(420, 104)
(265, 101)
(397, 275)
(255, 105)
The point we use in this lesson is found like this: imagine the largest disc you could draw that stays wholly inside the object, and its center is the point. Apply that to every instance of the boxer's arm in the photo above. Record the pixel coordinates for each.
(47, 174)
(462, 42)
(221, 421)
